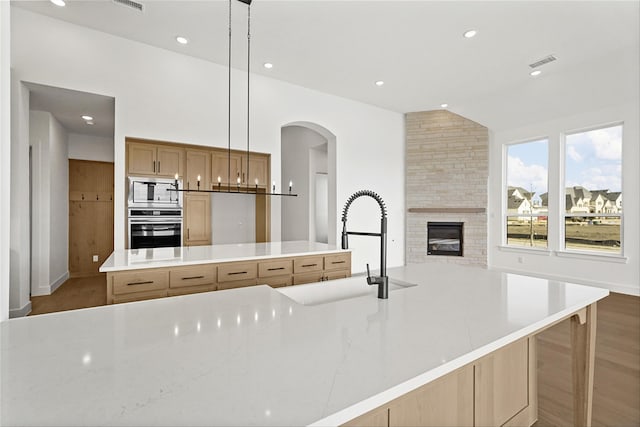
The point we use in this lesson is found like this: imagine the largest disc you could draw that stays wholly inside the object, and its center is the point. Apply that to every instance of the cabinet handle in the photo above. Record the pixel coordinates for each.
(193, 277)
(97, 198)
(338, 262)
(83, 197)
(309, 265)
(158, 166)
(154, 166)
(140, 283)
(243, 181)
(237, 272)
(274, 269)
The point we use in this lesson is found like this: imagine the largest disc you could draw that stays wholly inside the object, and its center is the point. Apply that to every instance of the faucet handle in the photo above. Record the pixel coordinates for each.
(369, 281)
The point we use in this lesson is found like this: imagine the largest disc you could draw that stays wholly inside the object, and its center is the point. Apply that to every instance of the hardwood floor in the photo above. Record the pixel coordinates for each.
(616, 400)
(81, 292)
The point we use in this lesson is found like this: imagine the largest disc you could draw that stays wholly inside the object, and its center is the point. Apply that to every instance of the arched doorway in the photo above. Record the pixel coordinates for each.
(308, 158)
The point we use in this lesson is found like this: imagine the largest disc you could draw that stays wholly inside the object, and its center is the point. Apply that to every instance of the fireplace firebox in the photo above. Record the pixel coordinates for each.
(444, 238)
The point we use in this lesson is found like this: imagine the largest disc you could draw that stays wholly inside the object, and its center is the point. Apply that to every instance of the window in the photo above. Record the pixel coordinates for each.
(593, 190)
(526, 194)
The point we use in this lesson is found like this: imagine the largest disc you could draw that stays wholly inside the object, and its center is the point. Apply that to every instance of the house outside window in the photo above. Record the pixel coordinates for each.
(526, 208)
(593, 190)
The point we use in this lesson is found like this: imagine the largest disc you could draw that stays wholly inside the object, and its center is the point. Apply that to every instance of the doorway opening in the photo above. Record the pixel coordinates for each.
(308, 153)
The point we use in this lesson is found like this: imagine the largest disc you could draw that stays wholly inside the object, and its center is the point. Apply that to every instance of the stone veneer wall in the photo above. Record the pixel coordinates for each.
(447, 168)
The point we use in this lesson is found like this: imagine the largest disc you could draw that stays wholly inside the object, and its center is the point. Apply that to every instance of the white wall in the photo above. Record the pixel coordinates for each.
(20, 242)
(5, 157)
(90, 147)
(318, 202)
(59, 204)
(50, 223)
(166, 96)
(598, 271)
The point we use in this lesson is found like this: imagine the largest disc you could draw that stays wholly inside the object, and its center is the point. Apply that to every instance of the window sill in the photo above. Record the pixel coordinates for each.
(593, 257)
(525, 249)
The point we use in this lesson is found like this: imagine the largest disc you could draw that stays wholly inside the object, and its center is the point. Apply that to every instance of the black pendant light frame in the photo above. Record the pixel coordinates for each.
(228, 188)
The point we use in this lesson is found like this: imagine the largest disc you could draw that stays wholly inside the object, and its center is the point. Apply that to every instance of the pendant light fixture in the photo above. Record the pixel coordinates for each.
(238, 189)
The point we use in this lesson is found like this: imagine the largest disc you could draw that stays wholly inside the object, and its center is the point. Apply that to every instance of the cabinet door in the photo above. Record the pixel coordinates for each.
(197, 219)
(169, 161)
(258, 168)
(220, 167)
(502, 384)
(198, 164)
(377, 418)
(142, 159)
(447, 401)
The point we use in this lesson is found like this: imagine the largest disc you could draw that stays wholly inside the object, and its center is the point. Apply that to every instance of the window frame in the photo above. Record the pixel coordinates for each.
(562, 213)
(505, 185)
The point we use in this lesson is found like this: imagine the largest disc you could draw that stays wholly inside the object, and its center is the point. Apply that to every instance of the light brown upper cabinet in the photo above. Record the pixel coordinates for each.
(198, 164)
(156, 160)
(220, 161)
(257, 167)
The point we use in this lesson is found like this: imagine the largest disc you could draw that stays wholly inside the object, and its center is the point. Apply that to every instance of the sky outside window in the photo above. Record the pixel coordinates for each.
(528, 165)
(594, 159)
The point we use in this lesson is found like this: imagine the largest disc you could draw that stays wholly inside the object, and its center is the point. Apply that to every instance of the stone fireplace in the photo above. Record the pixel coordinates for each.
(446, 181)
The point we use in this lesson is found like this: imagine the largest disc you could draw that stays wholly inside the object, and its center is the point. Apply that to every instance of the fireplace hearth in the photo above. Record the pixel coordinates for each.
(444, 238)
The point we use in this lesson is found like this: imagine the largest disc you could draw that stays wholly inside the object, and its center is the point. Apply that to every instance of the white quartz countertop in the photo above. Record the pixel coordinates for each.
(131, 259)
(252, 356)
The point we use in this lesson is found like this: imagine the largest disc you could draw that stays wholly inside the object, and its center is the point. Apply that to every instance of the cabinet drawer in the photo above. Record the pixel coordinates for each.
(191, 290)
(300, 279)
(140, 281)
(275, 268)
(237, 284)
(337, 262)
(139, 296)
(307, 264)
(337, 274)
(192, 276)
(276, 281)
(237, 271)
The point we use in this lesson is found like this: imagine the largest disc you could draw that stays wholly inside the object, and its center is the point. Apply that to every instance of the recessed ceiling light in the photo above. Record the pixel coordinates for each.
(58, 2)
(182, 40)
(470, 33)
(268, 65)
(87, 118)
(444, 105)
(89, 122)
(535, 73)
(379, 83)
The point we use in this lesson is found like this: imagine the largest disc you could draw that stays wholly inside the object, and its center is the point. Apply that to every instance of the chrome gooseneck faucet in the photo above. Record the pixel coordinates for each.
(382, 281)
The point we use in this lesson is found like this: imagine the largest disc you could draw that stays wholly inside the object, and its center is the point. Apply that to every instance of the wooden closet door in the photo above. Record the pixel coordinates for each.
(90, 215)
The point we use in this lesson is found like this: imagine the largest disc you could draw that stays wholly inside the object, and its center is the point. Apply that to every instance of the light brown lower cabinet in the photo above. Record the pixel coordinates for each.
(134, 285)
(497, 390)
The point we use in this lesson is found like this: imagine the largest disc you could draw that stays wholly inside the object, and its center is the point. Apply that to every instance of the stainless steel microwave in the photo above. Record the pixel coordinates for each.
(154, 193)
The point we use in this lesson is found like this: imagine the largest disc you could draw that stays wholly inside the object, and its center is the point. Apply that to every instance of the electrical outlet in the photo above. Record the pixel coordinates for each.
(521, 259)
(95, 258)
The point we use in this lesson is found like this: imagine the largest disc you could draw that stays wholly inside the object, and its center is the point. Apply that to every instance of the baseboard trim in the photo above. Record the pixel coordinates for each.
(55, 285)
(20, 312)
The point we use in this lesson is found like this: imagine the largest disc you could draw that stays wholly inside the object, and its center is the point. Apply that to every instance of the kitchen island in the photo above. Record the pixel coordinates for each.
(139, 274)
(255, 356)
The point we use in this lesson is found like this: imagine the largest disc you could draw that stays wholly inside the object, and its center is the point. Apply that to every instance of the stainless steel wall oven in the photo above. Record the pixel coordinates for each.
(155, 213)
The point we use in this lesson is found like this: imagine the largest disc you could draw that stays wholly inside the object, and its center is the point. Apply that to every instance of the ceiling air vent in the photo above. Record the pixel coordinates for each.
(543, 61)
(131, 4)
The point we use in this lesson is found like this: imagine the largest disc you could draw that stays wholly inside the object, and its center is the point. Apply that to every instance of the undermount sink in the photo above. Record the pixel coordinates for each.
(337, 290)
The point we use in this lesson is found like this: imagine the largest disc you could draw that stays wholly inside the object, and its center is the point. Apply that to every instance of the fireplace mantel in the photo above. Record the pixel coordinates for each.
(447, 210)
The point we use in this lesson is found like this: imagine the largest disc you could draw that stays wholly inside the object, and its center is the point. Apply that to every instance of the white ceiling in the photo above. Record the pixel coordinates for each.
(416, 47)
